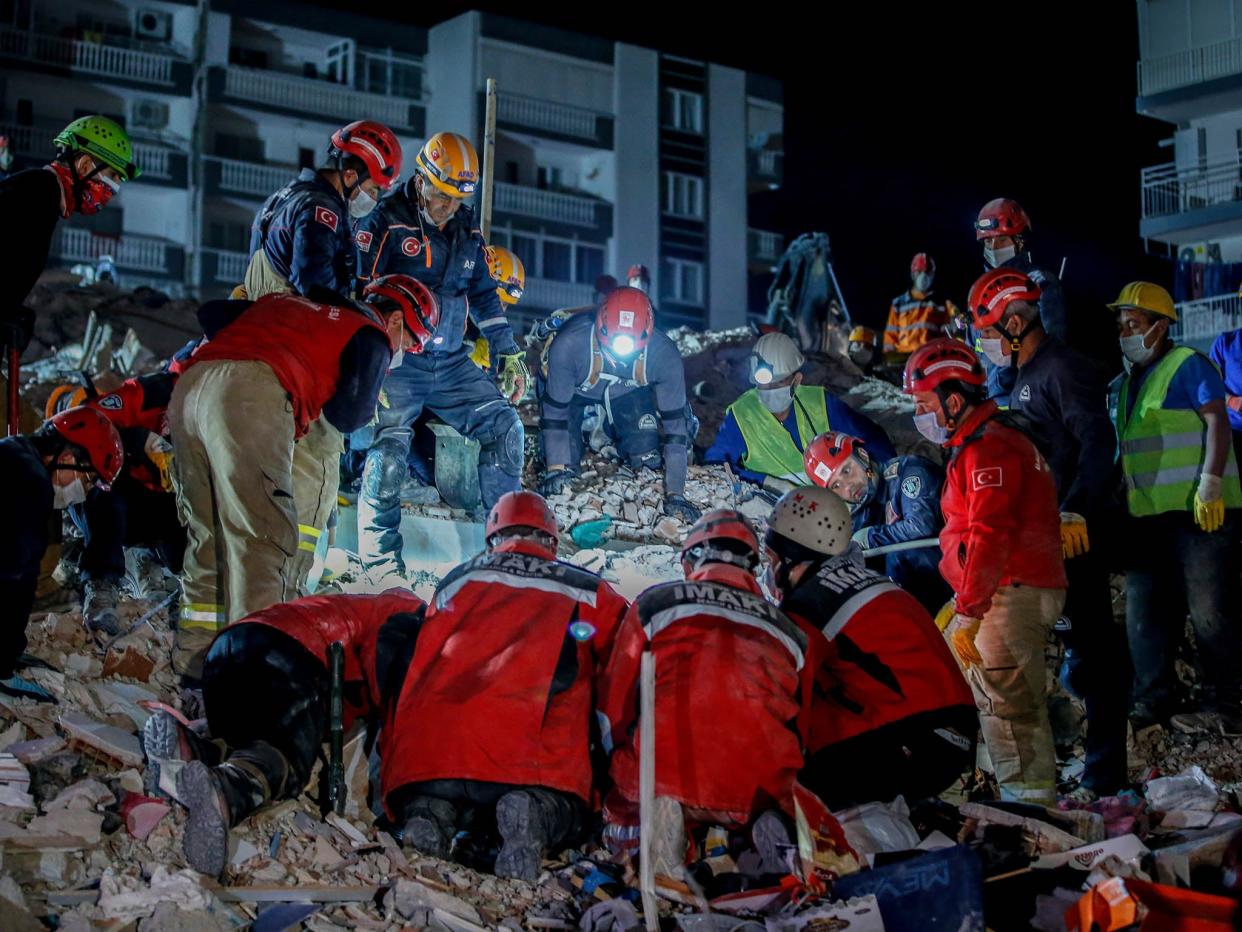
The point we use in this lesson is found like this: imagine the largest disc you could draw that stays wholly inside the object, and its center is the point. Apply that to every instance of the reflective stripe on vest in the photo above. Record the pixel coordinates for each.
(770, 448)
(1162, 449)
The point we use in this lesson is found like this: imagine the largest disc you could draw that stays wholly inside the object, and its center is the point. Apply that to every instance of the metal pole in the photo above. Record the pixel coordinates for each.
(646, 789)
(904, 545)
(489, 160)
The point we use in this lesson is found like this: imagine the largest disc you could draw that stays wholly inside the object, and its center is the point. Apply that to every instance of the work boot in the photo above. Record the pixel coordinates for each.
(217, 799)
(525, 828)
(430, 826)
(22, 688)
(99, 606)
(668, 838)
(771, 838)
(164, 739)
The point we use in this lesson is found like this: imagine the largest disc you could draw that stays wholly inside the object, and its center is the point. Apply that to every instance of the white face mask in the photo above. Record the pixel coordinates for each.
(1134, 348)
(927, 425)
(861, 356)
(361, 204)
(922, 282)
(72, 494)
(776, 400)
(998, 257)
(992, 350)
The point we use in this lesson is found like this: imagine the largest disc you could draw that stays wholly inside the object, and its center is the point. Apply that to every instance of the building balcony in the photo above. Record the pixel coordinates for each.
(76, 57)
(160, 164)
(1200, 322)
(251, 180)
(222, 269)
(765, 169)
(763, 249)
(1192, 82)
(558, 121)
(130, 252)
(570, 210)
(321, 100)
(1185, 204)
(549, 295)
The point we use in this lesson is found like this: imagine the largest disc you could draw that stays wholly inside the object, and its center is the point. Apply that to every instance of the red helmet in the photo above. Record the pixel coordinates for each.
(995, 290)
(417, 304)
(637, 270)
(1001, 217)
(923, 263)
(721, 524)
(625, 321)
(89, 429)
(825, 454)
(521, 509)
(376, 145)
(940, 361)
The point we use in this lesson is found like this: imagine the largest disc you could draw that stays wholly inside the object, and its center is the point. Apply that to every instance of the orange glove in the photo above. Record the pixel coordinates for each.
(962, 632)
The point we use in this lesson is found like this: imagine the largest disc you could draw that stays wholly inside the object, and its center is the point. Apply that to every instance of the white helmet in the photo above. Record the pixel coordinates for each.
(775, 356)
(814, 518)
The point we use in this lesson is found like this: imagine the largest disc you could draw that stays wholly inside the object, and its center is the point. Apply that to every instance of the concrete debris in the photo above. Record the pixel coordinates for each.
(692, 342)
(86, 795)
(142, 814)
(107, 740)
(126, 897)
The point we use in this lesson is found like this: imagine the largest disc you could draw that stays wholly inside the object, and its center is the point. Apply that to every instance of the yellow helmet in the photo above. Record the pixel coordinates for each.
(450, 164)
(1145, 296)
(863, 335)
(509, 273)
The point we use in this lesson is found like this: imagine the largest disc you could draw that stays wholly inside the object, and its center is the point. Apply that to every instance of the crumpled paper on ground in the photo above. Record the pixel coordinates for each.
(122, 896)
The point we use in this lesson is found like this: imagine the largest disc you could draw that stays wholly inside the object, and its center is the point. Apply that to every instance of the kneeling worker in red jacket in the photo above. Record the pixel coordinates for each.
(497, 704)
(890, 713)
(266, 690)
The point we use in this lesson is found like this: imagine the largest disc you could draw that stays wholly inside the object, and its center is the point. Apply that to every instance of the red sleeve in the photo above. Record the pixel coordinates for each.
(124, 407)
(617, 693)
(993, 473)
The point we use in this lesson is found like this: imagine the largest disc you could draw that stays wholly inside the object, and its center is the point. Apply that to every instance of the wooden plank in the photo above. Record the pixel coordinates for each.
(304, 893)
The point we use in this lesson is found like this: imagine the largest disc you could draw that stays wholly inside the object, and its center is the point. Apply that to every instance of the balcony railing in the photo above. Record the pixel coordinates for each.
(548, 115)
(1169, 190)
(1201, 321)
(140, 253)
(36, 141)
(230, 266)
(1190, 66)
(250, 178)
(546, 205)
(311, 96)
(765, 246)
(89, 57)
(546, 293)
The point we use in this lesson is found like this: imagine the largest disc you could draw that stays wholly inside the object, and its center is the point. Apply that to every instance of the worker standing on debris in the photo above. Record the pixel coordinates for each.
(1182, 493)
(1001, 547)
(863, 349)
(1004, 229)
(766, 431)
(427, 231)
(892, 503)
(915, 317)
(496, 707)
(889, 713)
(726, 748)
(267, 688)
(1227, 354)
(269, 369)
(48, 470)
(1062, 399)
(616, 358)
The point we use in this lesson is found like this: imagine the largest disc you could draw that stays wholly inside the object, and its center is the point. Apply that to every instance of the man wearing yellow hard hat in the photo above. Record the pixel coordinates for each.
(1182, 494)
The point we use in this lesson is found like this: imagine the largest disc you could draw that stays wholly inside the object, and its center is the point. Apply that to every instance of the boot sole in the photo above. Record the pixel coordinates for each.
(771, 839)
(424, 836)
(521, 854)
(206, 842)
(161, 741)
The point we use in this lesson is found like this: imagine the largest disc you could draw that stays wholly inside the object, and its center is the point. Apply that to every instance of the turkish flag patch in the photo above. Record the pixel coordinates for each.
(411, 246)
(326, 217)
(991, 477)
(363, 239)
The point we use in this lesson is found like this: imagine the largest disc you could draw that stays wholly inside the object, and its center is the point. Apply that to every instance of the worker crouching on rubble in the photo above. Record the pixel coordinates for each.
(889, 712)
(766, 431)
(727, 693)
(50, 469)
(267, 693)
(496, 709)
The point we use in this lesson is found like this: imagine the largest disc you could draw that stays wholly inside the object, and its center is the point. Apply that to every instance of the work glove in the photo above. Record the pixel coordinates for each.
(945, 615)
(1074, 541)
(17, 327)
(1209, 506)
(961, 633)
(677, 507)
(513, 376)
(862, 537)
(160, 452)
(1234, 403)
(554, 481)
(777, 486)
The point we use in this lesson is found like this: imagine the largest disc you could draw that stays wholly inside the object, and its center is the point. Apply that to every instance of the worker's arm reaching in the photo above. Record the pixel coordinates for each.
(669, 385)
(729, 447)
(1209, 503)
(364, 363)
(845, 419)
(990, 472)
(554, 409)
(919, 488)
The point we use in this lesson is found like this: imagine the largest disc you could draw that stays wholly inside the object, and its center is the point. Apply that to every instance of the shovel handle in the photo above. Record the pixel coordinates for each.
(14, 409)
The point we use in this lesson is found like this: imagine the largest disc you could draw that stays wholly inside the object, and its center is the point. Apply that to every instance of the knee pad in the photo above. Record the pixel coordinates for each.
(651, 459)
(507, 447)
(385, 472)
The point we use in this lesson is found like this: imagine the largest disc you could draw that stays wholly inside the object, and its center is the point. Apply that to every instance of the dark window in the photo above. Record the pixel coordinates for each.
(590, 263)
(511, 172)
(25, 111)
(556, 261)
(306, 157)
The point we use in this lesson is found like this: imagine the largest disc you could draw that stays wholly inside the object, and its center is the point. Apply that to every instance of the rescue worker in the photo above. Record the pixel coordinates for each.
(639, 277)
(427, 232)
(891, 503)
(93, 156)
(916, 316)
(267, 692)
(616, 358)
(1004, 229)
(1227, 354)
(496, 708)
(1062, 400)
(726, 748)
(863, 348)
(273, 366)
(890, 713)
(1001, 547)
(766, 431)
(48, 470)
(509, 274)
(1182, 494)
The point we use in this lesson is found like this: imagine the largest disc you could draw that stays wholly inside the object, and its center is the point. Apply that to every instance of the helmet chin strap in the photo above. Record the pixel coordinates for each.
(1015, 339)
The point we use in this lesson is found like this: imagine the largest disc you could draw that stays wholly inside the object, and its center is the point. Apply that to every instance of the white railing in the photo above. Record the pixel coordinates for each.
(546, 293)
(1201, 321)
(1168, 190)
(230, 266)
(90, 57)
(545, 205)
(152, 161)
(548, 115)
(251, 178)
(765, 161)
(765, 246)
(1190, 66)
(143, 253)
(318, 97)
(37, 140)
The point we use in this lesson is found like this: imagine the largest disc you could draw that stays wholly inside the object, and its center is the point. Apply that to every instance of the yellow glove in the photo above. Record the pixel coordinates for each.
(1073, 535)
(962, 632)
(239, 294)
(945, 615)
(513, 376)
(480, 354)
(160, 452)
(1209, 505)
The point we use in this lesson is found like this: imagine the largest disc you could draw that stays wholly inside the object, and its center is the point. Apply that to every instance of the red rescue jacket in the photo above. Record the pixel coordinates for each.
(138, 408)
(502, 685)
(300, 340)
(726, 698)
(372, 628)
(876, 656)
(1002, 523)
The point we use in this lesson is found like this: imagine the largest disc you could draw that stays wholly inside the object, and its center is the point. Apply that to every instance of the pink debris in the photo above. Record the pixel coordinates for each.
(142, 814)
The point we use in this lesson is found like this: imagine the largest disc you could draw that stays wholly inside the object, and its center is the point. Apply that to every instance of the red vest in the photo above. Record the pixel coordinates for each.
(300, 341)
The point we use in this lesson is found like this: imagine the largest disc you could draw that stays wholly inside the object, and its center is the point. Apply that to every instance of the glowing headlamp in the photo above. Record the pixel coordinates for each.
(514, 291)
(623, 344)
(760, 372)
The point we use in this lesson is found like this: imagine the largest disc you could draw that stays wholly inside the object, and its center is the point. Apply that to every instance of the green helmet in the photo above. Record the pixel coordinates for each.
(102, 138)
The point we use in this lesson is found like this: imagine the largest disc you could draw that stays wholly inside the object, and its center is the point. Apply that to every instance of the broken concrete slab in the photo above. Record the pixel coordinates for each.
(117, 698)
(411, 896)
(125, 897)
(14, 918)
(61, 828)
(31, 752)
(107, 740)
(130, 663)
(85, 794)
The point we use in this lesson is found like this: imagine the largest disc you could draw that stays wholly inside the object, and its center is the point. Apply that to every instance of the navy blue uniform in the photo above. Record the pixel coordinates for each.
(1052, 315)
(303, 229)
(25, 510)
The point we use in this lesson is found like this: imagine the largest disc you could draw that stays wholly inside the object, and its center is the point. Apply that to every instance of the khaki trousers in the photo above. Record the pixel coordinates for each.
(316, 478)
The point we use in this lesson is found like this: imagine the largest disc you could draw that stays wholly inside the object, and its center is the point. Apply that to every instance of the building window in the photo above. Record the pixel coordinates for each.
(588, 262)
(682, 110)
(553, 257)
(682, 195)
(383, 71)
(557, 260)
(681, 281)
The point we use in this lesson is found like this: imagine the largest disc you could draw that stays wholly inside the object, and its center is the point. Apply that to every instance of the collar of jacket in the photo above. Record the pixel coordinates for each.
(973, 422)
(727, 575)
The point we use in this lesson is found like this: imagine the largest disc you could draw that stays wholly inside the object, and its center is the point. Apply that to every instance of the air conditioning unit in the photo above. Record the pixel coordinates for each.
(153, 24)
(148, 114)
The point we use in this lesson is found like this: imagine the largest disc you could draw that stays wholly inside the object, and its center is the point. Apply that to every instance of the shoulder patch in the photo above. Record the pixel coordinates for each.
(411, 246)
(111, 402)
(990, 477)
(1038, 276)
(1025, 393)
(890, 471)
(363, 240)
(911, 486)
(326, 217)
